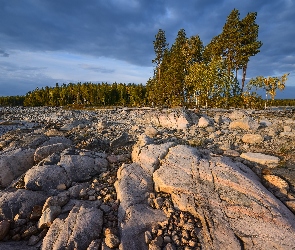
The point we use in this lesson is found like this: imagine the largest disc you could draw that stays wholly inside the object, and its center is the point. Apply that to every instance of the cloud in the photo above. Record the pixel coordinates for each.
(3, 53)
(65, 36)
(96, 69)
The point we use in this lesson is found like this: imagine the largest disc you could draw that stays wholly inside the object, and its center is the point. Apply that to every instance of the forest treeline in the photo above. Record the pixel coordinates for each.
(187, 73)
(86, 94)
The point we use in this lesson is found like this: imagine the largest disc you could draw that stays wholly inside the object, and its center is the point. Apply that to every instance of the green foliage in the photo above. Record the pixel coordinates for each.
(269, 84)
(88, 94)
(12, 100)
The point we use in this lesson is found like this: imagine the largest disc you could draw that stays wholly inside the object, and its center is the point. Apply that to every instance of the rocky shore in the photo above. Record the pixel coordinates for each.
(146, 179)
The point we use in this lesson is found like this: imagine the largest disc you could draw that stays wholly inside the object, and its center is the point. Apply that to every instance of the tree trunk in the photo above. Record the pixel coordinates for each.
(244, 76)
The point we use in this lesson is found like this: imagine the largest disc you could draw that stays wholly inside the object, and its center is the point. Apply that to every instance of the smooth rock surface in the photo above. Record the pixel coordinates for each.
(261, 158)
(14, 163)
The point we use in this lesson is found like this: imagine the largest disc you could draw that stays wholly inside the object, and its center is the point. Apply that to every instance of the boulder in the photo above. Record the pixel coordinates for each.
(82, 167)
(77, 231)
(204, 122)
(4, 228)
(174, 119)
(151, 131)
(14, 163)
(46, 177)
(19, 202)
(42, 152)
(228, 198)
(244, 124)
(269, 160)
(252, 138)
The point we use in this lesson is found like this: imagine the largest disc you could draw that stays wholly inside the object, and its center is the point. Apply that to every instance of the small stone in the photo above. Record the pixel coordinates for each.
(147, 237)
(36, 213)
(169, 246)
(261, 158)
(112, 240)
(16, 237)
(167, 239)
(4, 228)
(192, 243)
(120, 141)
(30, 231)
(33, 240)
(151, 131)
(92, 198)
(105, 208)
(189, 226)
(61, 187)
(158, 202)
(158, 241)
(153, 246)
(252, 138)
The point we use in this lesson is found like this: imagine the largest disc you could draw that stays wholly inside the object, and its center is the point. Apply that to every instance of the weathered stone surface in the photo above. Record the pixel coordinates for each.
(135, 216)
(77, 231)
(19, 202)
(14, 163)
(46, 177)
(82, 167)
(261, 158)
(150, 156)
(245, 124)
(252, 138)
(120, 141)
(137, 220)
(4, 228)
(48, 216)
(279, 186)
(203, 122)
(133, 185)
(229, 200)
(43, 152)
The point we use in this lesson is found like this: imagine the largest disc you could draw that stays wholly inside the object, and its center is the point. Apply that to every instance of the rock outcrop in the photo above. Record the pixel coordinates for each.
(130, 178)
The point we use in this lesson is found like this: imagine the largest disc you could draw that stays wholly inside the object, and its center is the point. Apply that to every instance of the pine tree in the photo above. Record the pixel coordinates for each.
(249, 45)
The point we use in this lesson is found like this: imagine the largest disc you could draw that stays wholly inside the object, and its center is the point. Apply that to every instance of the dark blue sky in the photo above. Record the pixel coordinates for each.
(47, 41)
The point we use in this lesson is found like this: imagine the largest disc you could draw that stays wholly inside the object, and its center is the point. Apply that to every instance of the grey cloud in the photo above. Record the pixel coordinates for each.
(3, 53)
(125, 30)
(96, 69)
